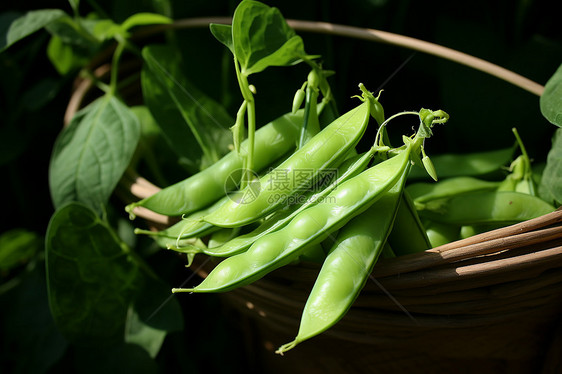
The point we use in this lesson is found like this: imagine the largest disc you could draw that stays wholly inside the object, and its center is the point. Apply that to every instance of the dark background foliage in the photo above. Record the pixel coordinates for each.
(520, 35)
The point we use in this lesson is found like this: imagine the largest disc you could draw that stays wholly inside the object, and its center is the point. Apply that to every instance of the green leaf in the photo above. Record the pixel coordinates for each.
(73, 43)
(91, 277)
(262, 38)
(155, 313)
(201, 121)
(551, 99)
(91, 154)
(223, 33)
(78, 32)
(27, 24)
(139, 333)
(17, 246)
(140, 19)
(64, 57)
(107, 29)
(550, 188)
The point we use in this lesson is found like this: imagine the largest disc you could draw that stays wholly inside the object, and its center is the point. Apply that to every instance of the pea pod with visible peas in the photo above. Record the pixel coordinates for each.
(311, 226)
(347, 266)
(350, 168)
(202, 189)
(327, 149)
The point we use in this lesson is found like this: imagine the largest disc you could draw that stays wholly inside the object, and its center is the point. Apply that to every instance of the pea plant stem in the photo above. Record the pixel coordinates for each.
(251, 117)
(115, 67)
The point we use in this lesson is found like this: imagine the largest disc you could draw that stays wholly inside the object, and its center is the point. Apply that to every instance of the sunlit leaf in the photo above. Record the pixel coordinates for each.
(91, 154)
(223, 33)
(262, 38)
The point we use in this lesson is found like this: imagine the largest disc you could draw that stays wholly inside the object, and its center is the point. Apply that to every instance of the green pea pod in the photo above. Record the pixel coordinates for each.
(408, 234)
(313, 253)
(468, 231)
(441, 233)
(310, 226)
(423, 192)
(202, 189)
(179, 234)
(348, 169)
(189, 227)
(327, 149)
(387, 251)
(470, 164)
(299, 98)
(347, 267)
(485, 207)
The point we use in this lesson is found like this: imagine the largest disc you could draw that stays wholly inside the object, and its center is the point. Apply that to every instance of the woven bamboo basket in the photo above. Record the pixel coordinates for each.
(491, 303)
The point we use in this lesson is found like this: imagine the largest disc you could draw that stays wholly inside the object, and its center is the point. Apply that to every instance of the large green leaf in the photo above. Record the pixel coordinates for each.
(550, 187)
(188, 117)
(261, 38)
(551, 99)
(91, 277)
(27, 24)
(90, 156)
